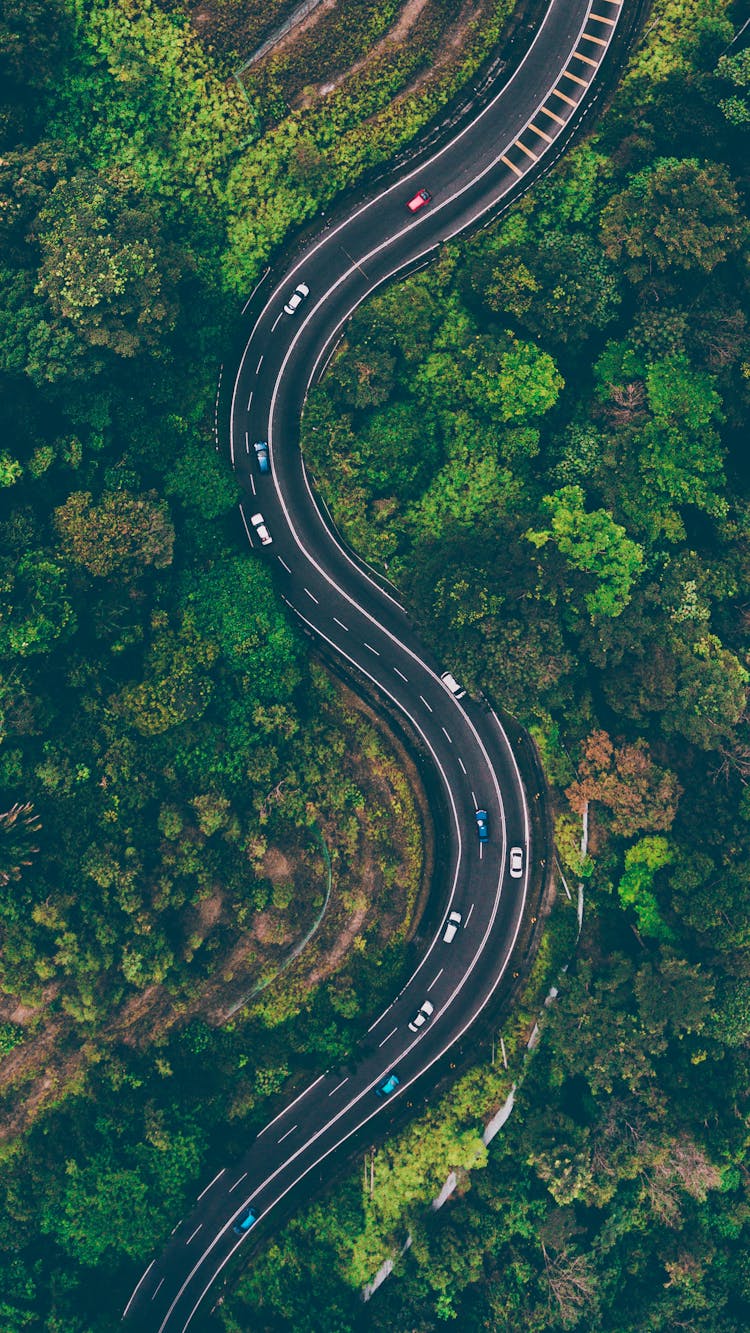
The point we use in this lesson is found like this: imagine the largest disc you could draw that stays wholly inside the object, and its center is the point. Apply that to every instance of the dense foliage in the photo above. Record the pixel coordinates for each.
(168, 752)
(544, 439)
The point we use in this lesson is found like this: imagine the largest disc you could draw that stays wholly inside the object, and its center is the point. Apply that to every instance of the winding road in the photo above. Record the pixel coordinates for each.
(356, 616)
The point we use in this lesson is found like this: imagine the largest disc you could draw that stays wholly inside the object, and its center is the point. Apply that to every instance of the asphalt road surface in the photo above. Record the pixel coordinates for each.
(357, 616)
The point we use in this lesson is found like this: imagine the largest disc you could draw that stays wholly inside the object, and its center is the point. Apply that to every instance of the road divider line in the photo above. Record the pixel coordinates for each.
(275, 322)
(424, 701)
(447, 735)
(282, 561)
(401, 674)
(158, 1289)
(385, 1011)
(195, 1233)
(436, 978)
(339, 1085)
(238, 1182)
(341, 624)
(385, 1039)
(286, 1136)
(312, 597)
(463, 766)
(372, 650)
(298, 1098)
(250, 402)
(468, 916)
(260, 363)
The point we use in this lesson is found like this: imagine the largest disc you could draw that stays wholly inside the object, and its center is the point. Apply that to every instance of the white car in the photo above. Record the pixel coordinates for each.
(516, 862)
(259, 523)
(426, 1010)
(451, 927)
(299, 294)
(452, 684)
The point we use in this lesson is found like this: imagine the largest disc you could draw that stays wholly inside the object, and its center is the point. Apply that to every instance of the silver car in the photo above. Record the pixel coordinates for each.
(300, 293)
(516, 862)
(259, 523)
(426, 1010)
(452, 924)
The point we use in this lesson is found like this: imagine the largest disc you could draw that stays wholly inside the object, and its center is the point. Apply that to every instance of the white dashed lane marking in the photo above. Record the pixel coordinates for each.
(385, 1039)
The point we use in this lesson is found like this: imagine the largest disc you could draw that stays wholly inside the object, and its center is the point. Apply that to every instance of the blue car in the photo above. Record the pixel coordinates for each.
(388, 1086)
(483, 828)
(261, 453)
(245, 1221)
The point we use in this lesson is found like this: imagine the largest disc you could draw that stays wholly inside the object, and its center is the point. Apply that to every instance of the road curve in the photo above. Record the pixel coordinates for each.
(356, 616)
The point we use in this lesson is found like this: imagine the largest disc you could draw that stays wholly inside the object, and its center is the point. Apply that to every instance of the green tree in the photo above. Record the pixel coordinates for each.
(35, 607)
(201, 482)
(642, 862)
(106, 272)
(121, 535)
(735, 71)
(676, 214)
(594, 544)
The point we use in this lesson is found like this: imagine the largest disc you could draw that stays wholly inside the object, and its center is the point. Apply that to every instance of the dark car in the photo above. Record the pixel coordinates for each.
(245, 1221)
(419, 200)
(387, 1086)
(483, 827)
(261, 453)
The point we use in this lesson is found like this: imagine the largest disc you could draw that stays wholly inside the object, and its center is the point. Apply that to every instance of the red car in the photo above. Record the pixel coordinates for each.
(419, 201)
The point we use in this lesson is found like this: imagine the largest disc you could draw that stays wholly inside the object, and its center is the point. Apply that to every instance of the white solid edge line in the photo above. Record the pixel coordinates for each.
(289, 1106)
(403, 1087)
(258, 284)
(462, 982)
(424, 960)
(404, 180)
(371, 203)
(139, 1284)
(502, 730)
